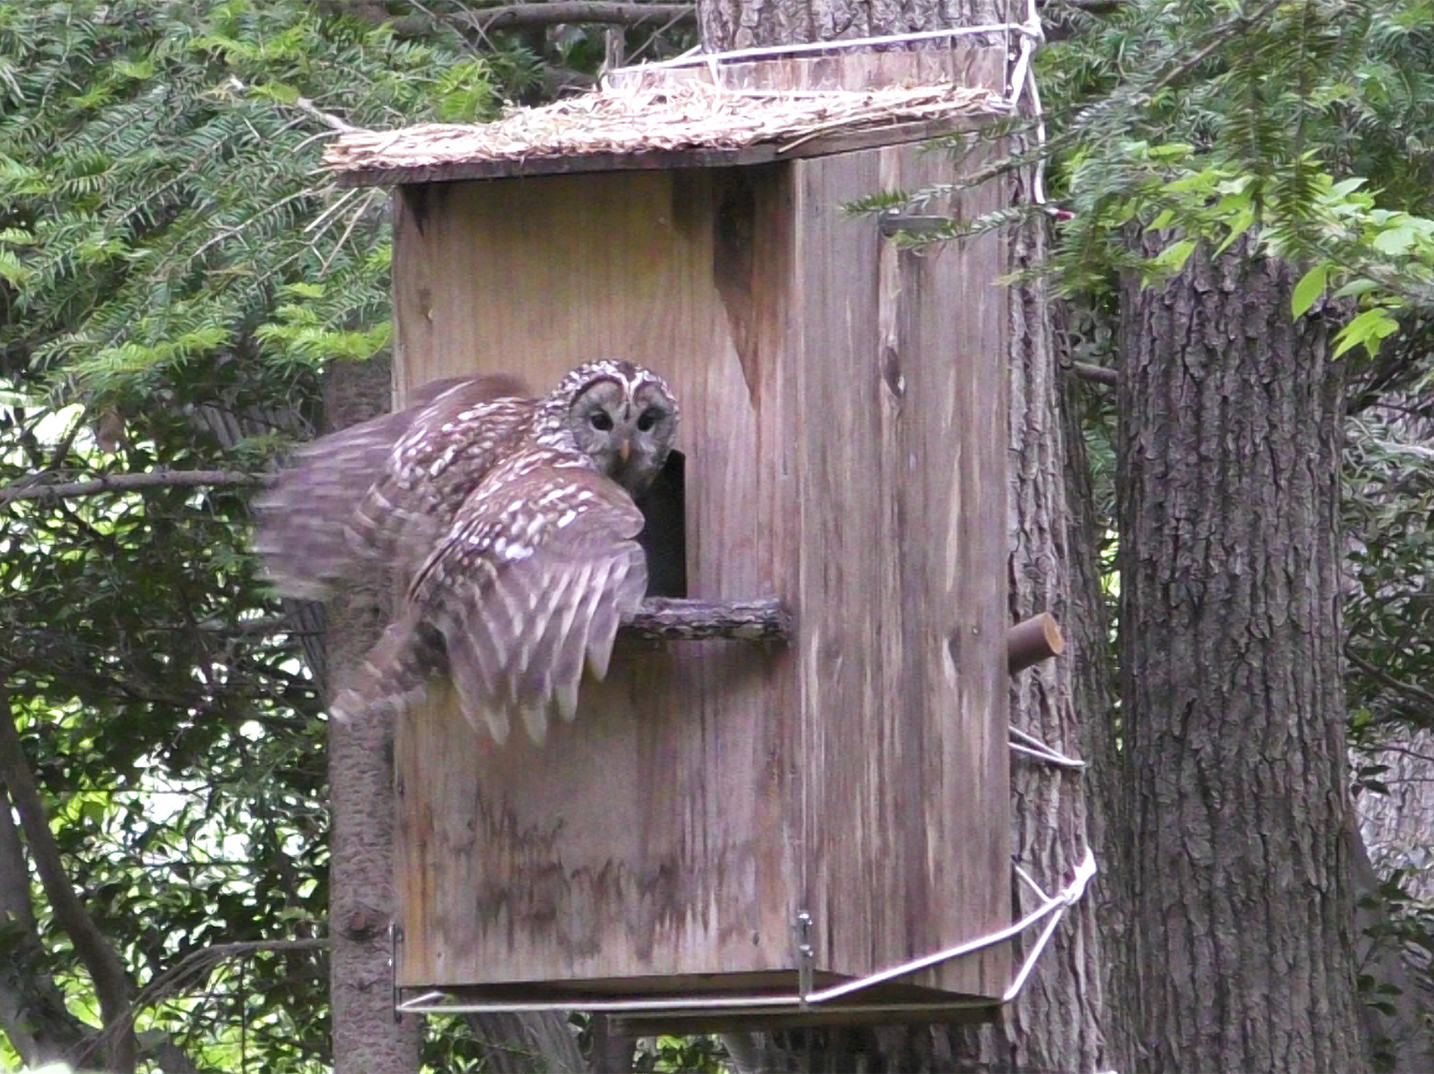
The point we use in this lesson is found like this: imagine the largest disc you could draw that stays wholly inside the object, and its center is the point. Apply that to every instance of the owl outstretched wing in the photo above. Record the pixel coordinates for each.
(529, 583)
(396, 673)
(306, 519)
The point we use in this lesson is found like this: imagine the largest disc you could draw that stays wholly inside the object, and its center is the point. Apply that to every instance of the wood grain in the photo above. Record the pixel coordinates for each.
(901, 590)
(1032, 640)
(843, 427)
(639, 839)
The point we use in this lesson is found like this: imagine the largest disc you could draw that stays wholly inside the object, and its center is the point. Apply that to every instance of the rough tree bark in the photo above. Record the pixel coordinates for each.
(367, 1038)
(1094, 673)
(33, 1016)
(733, 24)
(1243, 909)
(1057, 1022)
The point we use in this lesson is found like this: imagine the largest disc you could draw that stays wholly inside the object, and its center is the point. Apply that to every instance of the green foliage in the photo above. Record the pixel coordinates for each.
(1212, 121)
(1390, 613)
(158, 172)
(175, 269)
(679, 1055)
(1308, 128)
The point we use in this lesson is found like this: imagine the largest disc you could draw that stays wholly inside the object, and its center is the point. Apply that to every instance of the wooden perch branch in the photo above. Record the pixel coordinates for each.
(665, 619)
(1033, 640)
(580, 11)
(28, 490)
(1098, 373)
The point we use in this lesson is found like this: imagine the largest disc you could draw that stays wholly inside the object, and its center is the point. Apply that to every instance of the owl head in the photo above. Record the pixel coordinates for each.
(621, 416)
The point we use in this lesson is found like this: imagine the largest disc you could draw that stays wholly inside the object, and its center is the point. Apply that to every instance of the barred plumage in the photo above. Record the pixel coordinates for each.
(509, 520)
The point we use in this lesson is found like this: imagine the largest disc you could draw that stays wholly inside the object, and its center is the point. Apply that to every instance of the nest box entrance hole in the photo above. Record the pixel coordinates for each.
(664, 530)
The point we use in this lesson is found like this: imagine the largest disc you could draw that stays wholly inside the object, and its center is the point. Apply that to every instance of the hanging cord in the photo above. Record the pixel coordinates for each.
(713, 60)
(1023, 77)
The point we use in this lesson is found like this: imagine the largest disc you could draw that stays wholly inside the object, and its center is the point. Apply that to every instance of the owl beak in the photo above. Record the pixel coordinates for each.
(625, 451)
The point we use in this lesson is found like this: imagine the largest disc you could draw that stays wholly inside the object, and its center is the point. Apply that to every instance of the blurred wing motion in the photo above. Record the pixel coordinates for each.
(534, 576)
(308, 517)
(516, 545)
(395, 673)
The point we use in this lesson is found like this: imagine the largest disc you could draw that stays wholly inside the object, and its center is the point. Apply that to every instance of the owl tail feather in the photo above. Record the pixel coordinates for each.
(394, 675)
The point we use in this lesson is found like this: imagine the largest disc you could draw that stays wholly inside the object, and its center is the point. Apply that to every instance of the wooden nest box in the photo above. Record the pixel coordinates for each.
(730, 824)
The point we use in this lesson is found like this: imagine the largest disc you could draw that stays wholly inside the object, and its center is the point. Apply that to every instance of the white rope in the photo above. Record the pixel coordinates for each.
(715, 58)
(1061, 902)
(1032, 746)
(1051, 909)
(1034, 38)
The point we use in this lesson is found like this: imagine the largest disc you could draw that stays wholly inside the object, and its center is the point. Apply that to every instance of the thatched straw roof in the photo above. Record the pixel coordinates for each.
(679, 122)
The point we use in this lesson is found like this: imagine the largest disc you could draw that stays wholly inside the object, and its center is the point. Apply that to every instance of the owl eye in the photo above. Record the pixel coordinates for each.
(649, 417)
(602, 421)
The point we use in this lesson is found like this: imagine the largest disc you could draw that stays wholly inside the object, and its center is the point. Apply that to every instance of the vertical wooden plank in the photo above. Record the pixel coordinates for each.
(843, 421)
(902, 581)
(956, 321)
(648, 837)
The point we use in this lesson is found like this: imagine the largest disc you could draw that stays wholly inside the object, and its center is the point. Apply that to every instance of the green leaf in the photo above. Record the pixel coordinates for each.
(1173, 257)
(1355, 288)
(277, 91)
(139, 70)
(1366, 330)
(1347, 186)
(1396, 240)
(11, 270)
(1310, 287)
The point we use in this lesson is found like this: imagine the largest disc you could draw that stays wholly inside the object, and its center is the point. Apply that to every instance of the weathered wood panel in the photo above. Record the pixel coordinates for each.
(647, 838)
(843, 422)
(901, 596)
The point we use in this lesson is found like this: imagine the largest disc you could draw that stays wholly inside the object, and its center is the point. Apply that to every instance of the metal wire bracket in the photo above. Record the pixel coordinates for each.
(395, 937)
(806, 955)
(1051, 909)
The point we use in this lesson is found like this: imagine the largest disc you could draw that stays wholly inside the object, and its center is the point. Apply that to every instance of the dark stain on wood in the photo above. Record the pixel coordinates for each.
(734, 222)
(414, 200)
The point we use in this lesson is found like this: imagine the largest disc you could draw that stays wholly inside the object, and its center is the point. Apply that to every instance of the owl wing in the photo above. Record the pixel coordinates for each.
(445, 455)
(305, 518)
(395, 673)
(534, 576)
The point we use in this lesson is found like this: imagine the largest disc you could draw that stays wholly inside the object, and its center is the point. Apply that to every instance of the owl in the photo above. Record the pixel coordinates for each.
(509, 521)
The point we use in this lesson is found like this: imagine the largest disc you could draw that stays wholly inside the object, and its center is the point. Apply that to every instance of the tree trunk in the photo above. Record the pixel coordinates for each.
(1056, 1024)
(733, 24)
(1243, 909)
(367, 1037)
(1089, 639)
(33, 1016)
